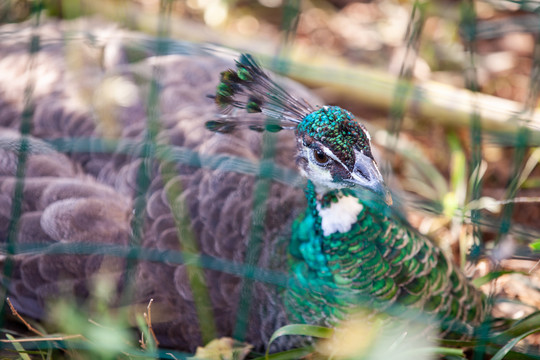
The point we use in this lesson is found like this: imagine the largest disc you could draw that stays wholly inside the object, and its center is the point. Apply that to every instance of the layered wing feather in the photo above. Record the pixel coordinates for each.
(84, 198)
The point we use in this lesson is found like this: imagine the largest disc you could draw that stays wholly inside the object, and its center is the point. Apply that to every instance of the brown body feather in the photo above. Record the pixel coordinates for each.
(89, 196)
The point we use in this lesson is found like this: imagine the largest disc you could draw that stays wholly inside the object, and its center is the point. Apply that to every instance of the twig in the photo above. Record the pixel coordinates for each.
(148, 318)
(95, 323)
(16, 314)
(532, 199)
(39, 333)
(534, 267)
(142, 342)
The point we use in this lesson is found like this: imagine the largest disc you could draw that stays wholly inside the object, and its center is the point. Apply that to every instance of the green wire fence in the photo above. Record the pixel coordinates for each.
(488, 120)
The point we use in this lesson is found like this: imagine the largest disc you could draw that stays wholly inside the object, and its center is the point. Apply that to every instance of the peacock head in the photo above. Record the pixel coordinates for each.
(334, 150)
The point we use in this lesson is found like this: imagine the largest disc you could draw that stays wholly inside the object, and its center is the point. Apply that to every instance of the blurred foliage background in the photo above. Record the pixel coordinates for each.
(456, 80)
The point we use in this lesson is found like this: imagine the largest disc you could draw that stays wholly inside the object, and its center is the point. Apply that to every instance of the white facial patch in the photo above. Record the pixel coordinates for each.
(340, 216)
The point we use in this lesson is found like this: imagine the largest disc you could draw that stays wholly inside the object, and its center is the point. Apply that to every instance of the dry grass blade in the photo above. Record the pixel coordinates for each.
(18, 316)
(148, 319)
(46, 338)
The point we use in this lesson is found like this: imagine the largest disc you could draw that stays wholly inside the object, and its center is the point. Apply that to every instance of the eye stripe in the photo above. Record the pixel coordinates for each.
(330, 154)
(333, 156)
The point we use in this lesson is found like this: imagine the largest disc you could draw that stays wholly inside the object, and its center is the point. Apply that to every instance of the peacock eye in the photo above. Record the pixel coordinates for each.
(320, 157)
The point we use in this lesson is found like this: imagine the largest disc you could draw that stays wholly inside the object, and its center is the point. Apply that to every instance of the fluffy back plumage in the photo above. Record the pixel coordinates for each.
(81, 197)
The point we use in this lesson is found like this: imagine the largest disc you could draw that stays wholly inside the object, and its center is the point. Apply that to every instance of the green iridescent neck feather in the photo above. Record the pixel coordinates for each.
(379, 264)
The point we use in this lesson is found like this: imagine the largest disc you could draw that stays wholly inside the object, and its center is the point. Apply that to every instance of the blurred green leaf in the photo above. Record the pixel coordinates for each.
(457, 343)
(506, 348)
(458, 170)
(289, 354)
(492, 276)
(439, 350)
(530, 165)
(304, 330)
(535, 246)
(422, 177)
(531, 183)
(484, 203)
(301, 329)
(525, 325)
(20, 349)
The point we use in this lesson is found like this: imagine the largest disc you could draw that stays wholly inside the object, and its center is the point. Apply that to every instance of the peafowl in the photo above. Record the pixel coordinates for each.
(79, 203)
(346, 249)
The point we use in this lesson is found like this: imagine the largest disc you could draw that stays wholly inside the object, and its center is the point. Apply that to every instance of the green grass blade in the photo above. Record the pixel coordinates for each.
(289, 354)
(492, 276)
(458, 172)
(457, 343)
(304, 330)
(529, 323)
(20, 349)
(530, 165)
(300, 329)
(443, 351)
(506, 348)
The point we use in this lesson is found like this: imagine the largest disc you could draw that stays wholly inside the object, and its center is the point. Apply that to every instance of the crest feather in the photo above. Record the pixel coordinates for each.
(250, 89)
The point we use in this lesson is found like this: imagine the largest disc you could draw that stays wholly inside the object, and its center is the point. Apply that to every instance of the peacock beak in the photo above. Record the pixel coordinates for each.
(366, 175)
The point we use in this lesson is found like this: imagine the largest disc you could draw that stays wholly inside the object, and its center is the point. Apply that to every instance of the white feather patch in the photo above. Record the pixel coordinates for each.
(340, 216)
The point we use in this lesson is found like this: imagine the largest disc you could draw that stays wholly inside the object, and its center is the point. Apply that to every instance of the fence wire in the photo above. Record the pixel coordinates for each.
(22, 22)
